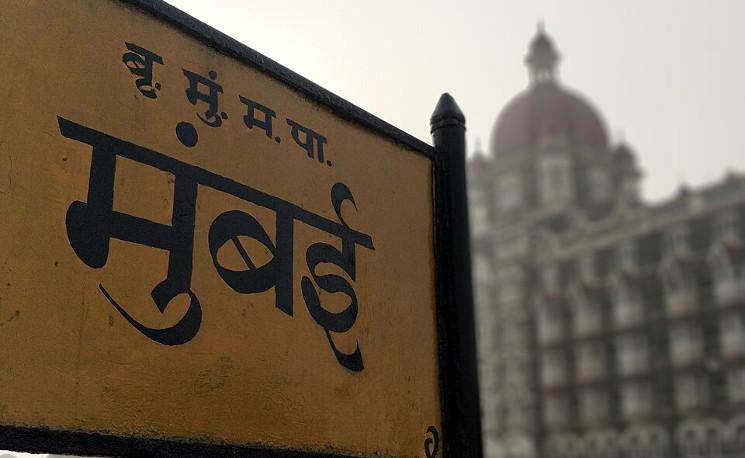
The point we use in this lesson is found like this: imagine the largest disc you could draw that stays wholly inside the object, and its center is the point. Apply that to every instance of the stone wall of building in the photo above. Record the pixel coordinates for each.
(607, 327)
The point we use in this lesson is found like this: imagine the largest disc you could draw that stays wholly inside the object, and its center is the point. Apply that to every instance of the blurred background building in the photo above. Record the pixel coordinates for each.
(607, 326)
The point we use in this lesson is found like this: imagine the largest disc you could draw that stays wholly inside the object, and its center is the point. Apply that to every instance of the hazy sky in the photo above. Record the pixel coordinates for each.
(666, 74)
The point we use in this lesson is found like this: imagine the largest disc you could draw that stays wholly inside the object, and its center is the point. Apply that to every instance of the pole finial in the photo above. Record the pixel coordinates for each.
(447, 112)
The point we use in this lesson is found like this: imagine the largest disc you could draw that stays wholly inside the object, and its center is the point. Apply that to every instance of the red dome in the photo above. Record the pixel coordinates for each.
(546, 108)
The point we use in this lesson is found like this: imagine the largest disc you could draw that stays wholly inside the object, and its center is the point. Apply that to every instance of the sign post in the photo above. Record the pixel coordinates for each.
(205, 254)
(458, 367)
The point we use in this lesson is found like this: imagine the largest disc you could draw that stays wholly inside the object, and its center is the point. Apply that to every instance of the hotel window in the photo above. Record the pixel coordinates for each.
(728, 288)
(514, 334)
(629, 190)
(686, 342)
(627, 255)
(518, 417)
(554, 368)
(677, 241)
(636, 399)
(556, 180)
(587, 270)
(478, 212)
(590, 361)
(726, 226)
(673, 280)
(628, 307)
(736, 384)
(733, 334)
(550, 278)
(691, 391)
(680, 292)
(556, 411)
(600, 186)
(550, 324)
(510, 286)
(633, 354)
(594, 406)
(588, 316)
(510, 191)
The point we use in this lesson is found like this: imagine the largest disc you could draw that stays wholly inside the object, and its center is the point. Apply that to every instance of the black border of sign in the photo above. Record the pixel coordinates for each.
(461, 427)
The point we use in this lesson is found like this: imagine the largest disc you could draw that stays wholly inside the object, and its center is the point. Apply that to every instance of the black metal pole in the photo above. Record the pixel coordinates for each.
(461, 421)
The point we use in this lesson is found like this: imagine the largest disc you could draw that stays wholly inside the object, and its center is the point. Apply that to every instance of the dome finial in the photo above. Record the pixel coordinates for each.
(542, 58)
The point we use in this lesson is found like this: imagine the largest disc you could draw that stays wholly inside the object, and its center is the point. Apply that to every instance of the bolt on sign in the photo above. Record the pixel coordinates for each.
(205, 254)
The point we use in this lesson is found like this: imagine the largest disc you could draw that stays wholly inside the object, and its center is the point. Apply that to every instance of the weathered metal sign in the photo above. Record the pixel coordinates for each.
(199, 252)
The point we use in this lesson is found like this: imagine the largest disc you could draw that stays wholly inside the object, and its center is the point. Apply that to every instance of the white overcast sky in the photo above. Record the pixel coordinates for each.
(666, 74)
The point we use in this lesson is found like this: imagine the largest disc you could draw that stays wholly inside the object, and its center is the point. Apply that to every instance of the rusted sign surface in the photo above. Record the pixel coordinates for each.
(193, 250)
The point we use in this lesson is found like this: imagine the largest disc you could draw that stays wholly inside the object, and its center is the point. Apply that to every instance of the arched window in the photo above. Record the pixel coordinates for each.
(594, 407)
(728, 288)
(510, 285)
(628, 305)
(688, 436)
(736, 384)
(478, 211)
(713, 438)
(680, 288)
(727, 226)
(686, 342)
(673, 279)
(510, 191)
(658, 442)
(636, 399)
(677, 241)
(627, 256)
(587, 314)
(554, 367)
(587, 268)
(591, 360)
(691, 391)
(550, 323)
(633, 354)
(732, 334)
(520, 447)
(556, 183)
(550, 278)
(600, 186)
(556, 411)
(736, 435)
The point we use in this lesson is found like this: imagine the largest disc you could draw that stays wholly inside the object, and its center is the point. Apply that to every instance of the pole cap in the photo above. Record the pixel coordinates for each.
(447, 113)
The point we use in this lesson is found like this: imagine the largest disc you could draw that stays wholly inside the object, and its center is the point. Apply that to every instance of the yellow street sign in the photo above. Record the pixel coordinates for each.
(194, 250)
